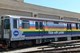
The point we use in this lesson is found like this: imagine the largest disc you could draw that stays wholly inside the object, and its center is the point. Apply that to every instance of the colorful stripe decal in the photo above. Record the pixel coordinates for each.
(48, 33)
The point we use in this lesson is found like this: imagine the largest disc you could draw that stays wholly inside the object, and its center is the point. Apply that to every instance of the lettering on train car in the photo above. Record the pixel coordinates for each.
(56, 32)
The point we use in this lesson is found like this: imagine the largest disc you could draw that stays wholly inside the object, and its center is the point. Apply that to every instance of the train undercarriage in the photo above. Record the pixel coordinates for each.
(4, 43)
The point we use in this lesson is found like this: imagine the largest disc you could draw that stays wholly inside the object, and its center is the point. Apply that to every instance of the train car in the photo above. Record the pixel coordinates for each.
(22, 30)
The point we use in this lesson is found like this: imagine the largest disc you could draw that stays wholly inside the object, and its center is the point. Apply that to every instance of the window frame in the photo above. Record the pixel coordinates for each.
(25, 23)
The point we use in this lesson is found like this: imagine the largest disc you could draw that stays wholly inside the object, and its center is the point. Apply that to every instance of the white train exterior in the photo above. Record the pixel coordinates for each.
(22, 30)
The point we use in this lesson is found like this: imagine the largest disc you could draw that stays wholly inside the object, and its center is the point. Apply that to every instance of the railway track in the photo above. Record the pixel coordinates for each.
(64, 48)
(19, 48)
(47, 49)
(58, 50)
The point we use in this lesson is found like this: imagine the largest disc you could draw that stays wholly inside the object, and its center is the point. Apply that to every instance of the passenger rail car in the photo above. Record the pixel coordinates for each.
(22, 30)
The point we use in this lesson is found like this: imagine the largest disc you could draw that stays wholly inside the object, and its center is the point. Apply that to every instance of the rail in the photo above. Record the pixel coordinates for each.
(61, 46)
(65, 46)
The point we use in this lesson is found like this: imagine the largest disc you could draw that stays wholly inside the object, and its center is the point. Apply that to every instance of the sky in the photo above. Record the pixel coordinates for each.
(68, 5)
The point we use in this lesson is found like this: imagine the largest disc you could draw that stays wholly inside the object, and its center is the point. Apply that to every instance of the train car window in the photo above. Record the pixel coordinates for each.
(6, 24)
(45, 23)
(69, 26)
(37, 25)
(41, 25)
(79, 26)
(55, 22)
(50, 24)
(76, 25)
(1, 21)
(25, 24)
(14, 23)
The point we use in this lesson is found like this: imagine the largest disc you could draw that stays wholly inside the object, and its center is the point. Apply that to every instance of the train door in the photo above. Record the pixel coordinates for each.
(15, 30)
(5, 27)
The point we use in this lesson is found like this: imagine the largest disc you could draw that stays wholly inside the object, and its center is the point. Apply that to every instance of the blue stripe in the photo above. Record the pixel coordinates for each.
(48, 34)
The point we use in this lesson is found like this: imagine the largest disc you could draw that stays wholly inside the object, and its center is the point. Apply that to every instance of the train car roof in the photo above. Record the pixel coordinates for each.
(47, 19)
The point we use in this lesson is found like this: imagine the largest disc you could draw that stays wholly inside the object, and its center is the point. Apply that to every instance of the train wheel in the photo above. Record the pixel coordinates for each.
(14, 45)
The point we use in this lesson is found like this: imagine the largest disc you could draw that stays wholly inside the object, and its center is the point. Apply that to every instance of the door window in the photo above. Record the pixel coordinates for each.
(14, 23)
(6, 24)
